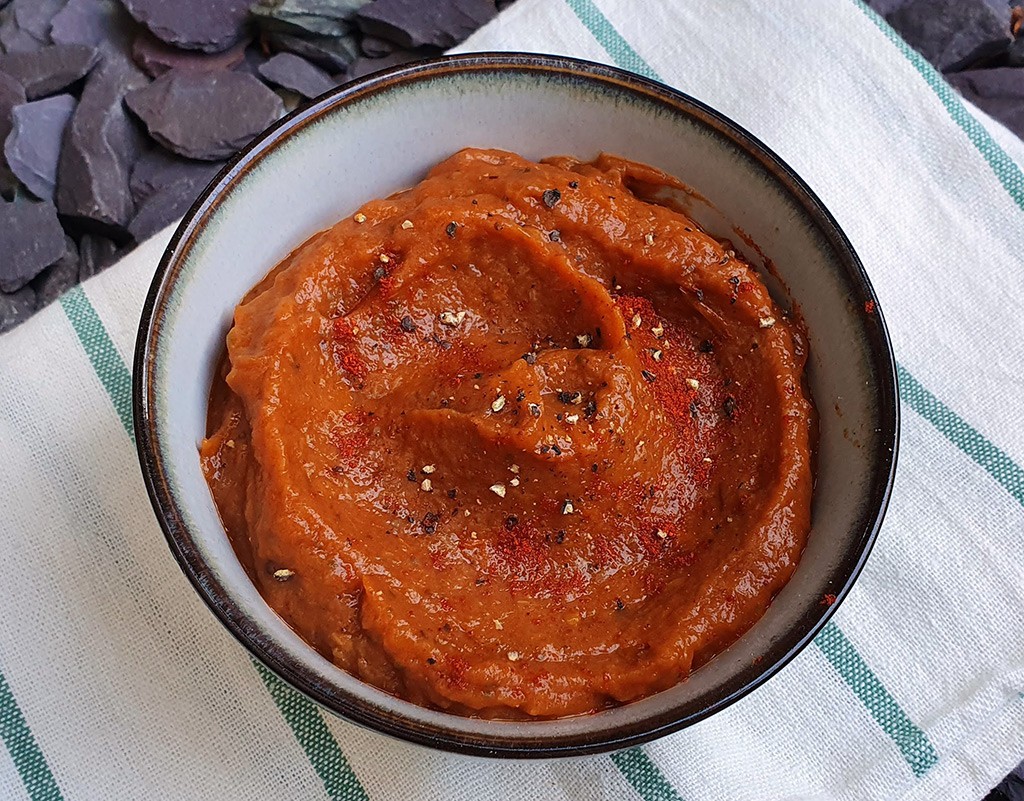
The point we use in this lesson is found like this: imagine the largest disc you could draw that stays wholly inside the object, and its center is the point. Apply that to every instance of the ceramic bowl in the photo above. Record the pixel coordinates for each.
(375, 136)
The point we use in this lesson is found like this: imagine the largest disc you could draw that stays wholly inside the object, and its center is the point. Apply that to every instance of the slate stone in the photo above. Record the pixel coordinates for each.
(25, 25)
(998, 92)
(332, 54)
(207, 25)
(157, 169)
(1015, 53)
(164, 207)
(103, 24)
(952, 34)
(298, 75)
(100, 147)
(33, 148)
(31, 239)
(16, 308)
(306, 17)
(49, 69)
(252, 60)
(365, 66)
(413, 23)
(12, 94)
(156, 57)
(374, 47)
(205, 115)
(58, 278)
(95, 253)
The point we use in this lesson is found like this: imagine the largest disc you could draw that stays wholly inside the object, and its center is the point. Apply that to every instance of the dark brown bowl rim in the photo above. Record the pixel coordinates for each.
(247, 632)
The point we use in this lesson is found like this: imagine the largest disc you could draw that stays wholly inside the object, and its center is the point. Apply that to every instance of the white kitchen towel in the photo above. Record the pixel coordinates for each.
(117, 683)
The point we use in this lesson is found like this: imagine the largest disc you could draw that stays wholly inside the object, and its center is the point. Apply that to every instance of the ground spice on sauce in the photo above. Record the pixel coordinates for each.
(520, 441)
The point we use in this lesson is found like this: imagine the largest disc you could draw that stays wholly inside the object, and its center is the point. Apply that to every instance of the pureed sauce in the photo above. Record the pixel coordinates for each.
(515, 442)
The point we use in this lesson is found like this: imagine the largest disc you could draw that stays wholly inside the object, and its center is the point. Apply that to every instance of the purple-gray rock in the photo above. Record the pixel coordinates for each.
(373, 47)
(332, 54)
(164, 207)
(157, 57)
(207, 25)
(413, 23)
(205, 115)
(33, 147)
(157, 169)
(103, 24)
(1015, 53)
(998, 92)
(12, 94)
(952, 34)
(306, 17)
(25, 24)
(364, 66)
(297, 75)
(58, 278)
(49, 69)
(100, 147)
(16, 307)
(94, 254)
(31, 239)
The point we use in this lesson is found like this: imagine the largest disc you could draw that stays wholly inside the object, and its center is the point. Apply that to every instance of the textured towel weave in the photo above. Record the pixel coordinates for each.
(117, 683)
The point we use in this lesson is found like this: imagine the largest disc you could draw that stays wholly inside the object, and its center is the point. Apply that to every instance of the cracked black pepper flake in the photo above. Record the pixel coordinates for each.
(591, 408)
(511, 522)
(649, 376)
(431, 660)
(560, 537)
(556, 450)
(452, 493)
(407, 324)
(734, 280)
(379, 274)
(700, 295)
(729, 406)
(574, 184)
(451, 228)
(555, 236)
(619, 604)
(565, 397)
(705, 346)
(429, 524)
(551, 197)
(693, 409)
(593, 467)
(535, 410)
(529, 358)
(520, 395)
(411, 475)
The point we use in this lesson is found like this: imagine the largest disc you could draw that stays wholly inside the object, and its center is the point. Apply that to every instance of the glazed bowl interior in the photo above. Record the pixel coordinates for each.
(369, 139)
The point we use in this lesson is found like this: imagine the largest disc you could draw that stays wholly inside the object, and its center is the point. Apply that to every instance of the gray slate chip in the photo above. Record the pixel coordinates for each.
(414, 23)
(207, 25)
(374, 47)
(33, 147)
(164, 207)
(298, 75)
(205, 115)
(12, 94)
(31, 239)
(332, 54)
(952, 34)
(49, 69)
(95, 253)
(58, 278)
(16, 308)
(103, 24)
(157, 57)
(25, 24)
(101, 145)
(306, 17)
(158, 168)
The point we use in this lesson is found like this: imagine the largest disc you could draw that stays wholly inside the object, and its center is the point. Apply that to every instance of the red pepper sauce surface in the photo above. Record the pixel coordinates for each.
(515, 442)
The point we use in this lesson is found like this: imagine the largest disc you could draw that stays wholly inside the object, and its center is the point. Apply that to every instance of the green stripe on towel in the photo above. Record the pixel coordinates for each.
(912, 742)
(1005, 168)
(302, 715)
(24, 750)
(909, 738)
(644, 775)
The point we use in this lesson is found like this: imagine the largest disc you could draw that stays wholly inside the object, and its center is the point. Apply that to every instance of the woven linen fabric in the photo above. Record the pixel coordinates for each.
(117, 683)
